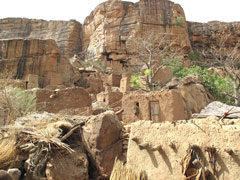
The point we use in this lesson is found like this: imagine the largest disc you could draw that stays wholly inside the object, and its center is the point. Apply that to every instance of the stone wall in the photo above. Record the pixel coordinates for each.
(171, 149)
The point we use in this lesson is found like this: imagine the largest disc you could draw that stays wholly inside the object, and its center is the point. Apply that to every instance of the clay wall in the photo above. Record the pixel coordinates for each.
(136, 105)
(175, 149)
(58, 100)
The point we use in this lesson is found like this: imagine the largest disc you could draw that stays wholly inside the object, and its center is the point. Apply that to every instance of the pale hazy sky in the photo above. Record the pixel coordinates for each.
(195, 10)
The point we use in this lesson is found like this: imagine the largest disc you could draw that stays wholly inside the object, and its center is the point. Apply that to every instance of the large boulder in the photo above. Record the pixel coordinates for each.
(102, 136)
(69, 166)
(194, 93)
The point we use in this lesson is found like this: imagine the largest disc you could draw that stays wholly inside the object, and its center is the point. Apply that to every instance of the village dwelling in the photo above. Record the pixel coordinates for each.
(158, 106)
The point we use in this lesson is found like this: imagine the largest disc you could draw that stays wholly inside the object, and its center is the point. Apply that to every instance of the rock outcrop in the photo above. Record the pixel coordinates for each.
(205, 35)
(102, 135)
(66, 34)
(110, 28)
(193, 92)
(41, 48)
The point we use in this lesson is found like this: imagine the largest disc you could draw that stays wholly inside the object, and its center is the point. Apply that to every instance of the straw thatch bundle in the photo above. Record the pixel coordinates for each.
(32, 137)
(7, 148)
(121, 171)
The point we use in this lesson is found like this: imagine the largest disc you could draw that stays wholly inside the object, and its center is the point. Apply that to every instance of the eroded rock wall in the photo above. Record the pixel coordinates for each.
(42, 48)
(109, 29)
(66, 34)
(205, 35)
(33, 56)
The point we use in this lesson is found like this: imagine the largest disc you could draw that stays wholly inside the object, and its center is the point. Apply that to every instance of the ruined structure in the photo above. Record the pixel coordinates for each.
(179, 101)
(47, 57)
(54, 101)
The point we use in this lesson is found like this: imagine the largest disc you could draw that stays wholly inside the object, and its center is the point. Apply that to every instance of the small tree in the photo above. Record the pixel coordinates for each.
(228, 58)
(154, 51)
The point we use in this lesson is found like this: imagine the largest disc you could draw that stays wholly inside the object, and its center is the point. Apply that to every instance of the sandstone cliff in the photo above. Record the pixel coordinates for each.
(33, 56)
(109, 29)
(107, 35)
(67, 34)
(205, 35)
(29, 46)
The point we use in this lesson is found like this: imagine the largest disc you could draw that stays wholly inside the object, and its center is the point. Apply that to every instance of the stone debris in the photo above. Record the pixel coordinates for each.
(219, 109)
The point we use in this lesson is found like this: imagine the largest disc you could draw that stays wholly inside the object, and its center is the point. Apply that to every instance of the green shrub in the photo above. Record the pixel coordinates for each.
(219, 87)
(179, 21)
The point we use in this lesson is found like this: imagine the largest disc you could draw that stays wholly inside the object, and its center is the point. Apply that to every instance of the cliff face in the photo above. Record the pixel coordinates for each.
(33, 56)
(205, 35)
(67, 34)
(41, 48)
(111, 26)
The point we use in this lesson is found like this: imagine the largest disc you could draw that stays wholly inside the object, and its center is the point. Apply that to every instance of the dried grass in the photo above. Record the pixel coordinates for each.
(34, 132)
(121, 171)
(7, 149)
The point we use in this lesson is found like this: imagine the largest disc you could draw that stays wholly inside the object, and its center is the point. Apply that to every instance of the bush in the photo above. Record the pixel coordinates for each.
(219, 87)
(179, 21)
(17, 102)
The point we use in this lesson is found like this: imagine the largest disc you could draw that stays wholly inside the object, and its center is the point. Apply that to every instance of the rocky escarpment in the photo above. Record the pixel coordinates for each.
(22, 57)
(67, 34)
(205, 35)
(42, 48)
(109, 29)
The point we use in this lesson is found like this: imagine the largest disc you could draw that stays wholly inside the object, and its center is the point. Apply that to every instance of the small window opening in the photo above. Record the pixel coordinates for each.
(136, 108)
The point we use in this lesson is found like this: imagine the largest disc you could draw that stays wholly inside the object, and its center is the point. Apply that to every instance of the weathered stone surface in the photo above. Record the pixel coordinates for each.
(38, 57)
(175, 139)
(219, 109)
(38, 47)
(136, 106)
(102, 135)
(4, 175)
(163, 76)
(205, 35)
(65, 99)
(109, 29)
(194, 94)
(70, 166)
(66, 34)
(15, 173)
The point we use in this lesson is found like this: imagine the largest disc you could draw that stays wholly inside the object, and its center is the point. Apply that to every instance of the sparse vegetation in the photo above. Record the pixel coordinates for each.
(15, 101)
(153, 52)
(179, 21)
(221, 88)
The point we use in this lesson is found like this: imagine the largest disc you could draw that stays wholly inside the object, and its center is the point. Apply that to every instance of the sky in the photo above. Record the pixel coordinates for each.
(195, 10)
